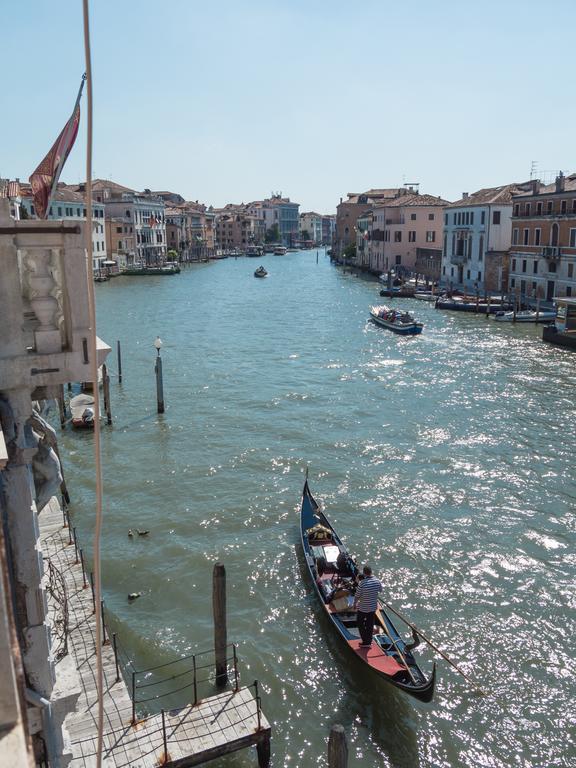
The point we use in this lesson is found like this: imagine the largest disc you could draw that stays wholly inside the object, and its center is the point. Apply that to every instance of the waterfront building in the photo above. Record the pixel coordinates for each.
(543, 249)
(235, 228)
(348, 211)
(141, 210)
(68, 205)
(169, 197)
(280, 212)
(120, 241)
(363, 242)
(476, 240)
(328, 227)
(311, 223)
(176, 230)
(401, 227)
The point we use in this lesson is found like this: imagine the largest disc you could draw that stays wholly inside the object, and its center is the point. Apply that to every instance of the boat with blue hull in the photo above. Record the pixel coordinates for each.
(334, 575)
(395, 320)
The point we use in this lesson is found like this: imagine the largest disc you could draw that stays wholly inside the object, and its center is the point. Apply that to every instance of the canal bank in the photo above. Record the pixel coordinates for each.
(449, 442)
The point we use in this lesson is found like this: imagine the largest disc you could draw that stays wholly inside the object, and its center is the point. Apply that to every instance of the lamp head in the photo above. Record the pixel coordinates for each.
(158, 343)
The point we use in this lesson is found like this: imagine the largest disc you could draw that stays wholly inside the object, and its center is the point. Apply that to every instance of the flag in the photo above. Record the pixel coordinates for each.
(45, 178)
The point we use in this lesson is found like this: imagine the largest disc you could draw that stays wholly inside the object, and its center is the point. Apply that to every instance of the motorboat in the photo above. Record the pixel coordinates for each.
(395, 320)
(526, 316)
(82, 410)
(260, 272)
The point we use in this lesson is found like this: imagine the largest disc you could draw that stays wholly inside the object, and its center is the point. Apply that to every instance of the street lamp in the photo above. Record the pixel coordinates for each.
(158, 371)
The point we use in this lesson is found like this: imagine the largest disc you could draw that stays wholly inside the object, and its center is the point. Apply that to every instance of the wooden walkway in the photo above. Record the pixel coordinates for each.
(188, 736)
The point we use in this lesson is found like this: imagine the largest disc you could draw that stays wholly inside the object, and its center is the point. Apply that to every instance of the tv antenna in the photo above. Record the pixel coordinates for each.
(533, 169)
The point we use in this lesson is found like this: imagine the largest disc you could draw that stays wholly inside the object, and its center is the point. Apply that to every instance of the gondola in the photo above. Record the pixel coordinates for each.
(333, 574)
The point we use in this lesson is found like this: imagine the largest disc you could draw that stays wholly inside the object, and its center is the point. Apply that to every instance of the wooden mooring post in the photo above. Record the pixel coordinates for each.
(62, 407)
(119, 355)
(106, 389)
(337, 748)
(220, 633)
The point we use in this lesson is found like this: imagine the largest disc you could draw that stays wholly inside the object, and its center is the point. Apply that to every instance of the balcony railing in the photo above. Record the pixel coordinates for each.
(458, 259)
(551, 252)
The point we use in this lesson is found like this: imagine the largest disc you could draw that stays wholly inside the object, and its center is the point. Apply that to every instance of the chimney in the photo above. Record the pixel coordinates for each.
(535, 184)
(464, 195)
(560, 182)
(340, 199)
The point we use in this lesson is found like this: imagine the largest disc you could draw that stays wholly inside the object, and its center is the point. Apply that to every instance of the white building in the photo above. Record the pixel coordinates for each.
(69, 205)
(476, 239)
(311, 223)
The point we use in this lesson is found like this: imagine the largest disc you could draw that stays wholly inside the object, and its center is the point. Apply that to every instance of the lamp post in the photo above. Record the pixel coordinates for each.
(158, 371)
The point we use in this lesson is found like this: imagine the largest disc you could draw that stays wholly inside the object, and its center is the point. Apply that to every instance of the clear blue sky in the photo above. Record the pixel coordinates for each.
(227, 101)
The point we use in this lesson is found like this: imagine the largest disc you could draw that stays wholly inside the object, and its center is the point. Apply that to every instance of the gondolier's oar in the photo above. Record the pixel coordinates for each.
(385, 628)
(435, 647)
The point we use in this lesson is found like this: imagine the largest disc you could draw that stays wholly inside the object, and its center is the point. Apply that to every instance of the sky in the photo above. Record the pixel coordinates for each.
(231, 101)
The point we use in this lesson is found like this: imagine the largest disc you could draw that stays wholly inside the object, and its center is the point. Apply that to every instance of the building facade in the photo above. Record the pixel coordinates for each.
(311, 224)
(476, 240)
(348, 211)
(543, 249)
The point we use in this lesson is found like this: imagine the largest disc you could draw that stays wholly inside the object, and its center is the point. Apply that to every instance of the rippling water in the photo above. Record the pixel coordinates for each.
(445, 460)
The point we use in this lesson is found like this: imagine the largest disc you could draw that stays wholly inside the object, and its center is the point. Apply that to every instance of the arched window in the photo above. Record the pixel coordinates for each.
(554, 234)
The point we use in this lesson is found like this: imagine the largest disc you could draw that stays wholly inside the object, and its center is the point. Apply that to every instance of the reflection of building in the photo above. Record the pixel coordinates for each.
(477, 234)
(543, 250)
(68, 205)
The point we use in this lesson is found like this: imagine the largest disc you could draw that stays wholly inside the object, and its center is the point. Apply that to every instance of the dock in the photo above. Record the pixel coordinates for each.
(208, 727)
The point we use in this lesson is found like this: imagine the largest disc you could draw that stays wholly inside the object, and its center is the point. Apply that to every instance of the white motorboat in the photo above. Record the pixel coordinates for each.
(526, 316)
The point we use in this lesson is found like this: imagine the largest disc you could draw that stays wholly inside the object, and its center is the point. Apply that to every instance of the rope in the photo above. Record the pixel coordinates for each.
(94, 378)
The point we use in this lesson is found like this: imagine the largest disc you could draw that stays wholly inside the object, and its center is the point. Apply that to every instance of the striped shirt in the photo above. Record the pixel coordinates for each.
(367, 594)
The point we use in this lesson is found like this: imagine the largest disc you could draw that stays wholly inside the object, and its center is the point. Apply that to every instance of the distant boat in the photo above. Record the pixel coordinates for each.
(160, 269)
(395, 320)
(469, 304)
(280, 250)
(526, 316)
(425, 296)
(269, 248)
(260, 272)
(82, 410)
(254, 250)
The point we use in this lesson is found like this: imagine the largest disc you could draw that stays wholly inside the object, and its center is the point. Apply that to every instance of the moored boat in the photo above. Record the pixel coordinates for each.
(82, 410)
(470, 304)
(526, 316)
(563, 331)
(395, 320)
(334, 575)
(159, 269)
(280, 250)
(260, 272)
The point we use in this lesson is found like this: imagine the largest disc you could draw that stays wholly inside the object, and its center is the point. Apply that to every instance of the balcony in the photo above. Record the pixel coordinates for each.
(458, 259)
(551, 252)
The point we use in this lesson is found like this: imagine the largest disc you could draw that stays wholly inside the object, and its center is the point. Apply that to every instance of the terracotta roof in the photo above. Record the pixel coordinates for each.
(99, 184)
(492, 195)
(63, 194)
(372, 195)
(415, 200)
(549, 189)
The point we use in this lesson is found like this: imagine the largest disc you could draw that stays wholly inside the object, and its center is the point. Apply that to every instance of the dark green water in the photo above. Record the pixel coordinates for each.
(445, 460)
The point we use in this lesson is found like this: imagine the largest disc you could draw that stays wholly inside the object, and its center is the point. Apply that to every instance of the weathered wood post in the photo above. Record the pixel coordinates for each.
(106, 388)
(488, 306)
(62, 406)
(337, 748)
(119, 355)
(220, 634)
(159, 381)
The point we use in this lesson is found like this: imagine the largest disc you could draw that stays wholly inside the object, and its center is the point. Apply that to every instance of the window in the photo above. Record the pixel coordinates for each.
(467, 218)
(539, 209)
(430, 217)
(455, 219)
(443, 270)
(495, 217)
(452, 272)
(549, 205)
(50, 211)
(515, 236)
(446, 217)
(512, 283)
(535, 269)
(513, 265)
(460, 218)
(412, 217)
(554, 234)
(516, 210)
(468, 274)
(527, 209)
(397, 237)
(120, 245)
(479, 277)
(483, 217)
(534, 287)
(563, 205)
(398, 259)
(430, 237)
(471, 217)
(412, 237)
(481, 248)
(568, 290)
(552, 266)
(119, 229)
(526, 235)
(574, 205)
(523, 265)
(537, 233)
(573, 238)
(570, 270)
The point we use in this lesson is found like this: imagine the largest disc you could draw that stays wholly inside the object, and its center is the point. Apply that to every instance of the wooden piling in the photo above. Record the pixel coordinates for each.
(488, 306)
(159, 385)
(119, 356)
(219, 610)
(106, 388)
(62, 406)
(337, 748)
(263, 751)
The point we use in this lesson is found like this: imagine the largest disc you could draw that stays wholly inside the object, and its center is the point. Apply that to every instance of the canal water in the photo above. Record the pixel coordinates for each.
(445, 460)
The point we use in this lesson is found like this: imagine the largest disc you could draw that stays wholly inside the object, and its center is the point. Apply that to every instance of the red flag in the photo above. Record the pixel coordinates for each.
(45, 178)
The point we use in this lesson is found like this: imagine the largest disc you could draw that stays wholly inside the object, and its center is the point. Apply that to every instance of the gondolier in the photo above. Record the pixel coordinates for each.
(366, 603)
